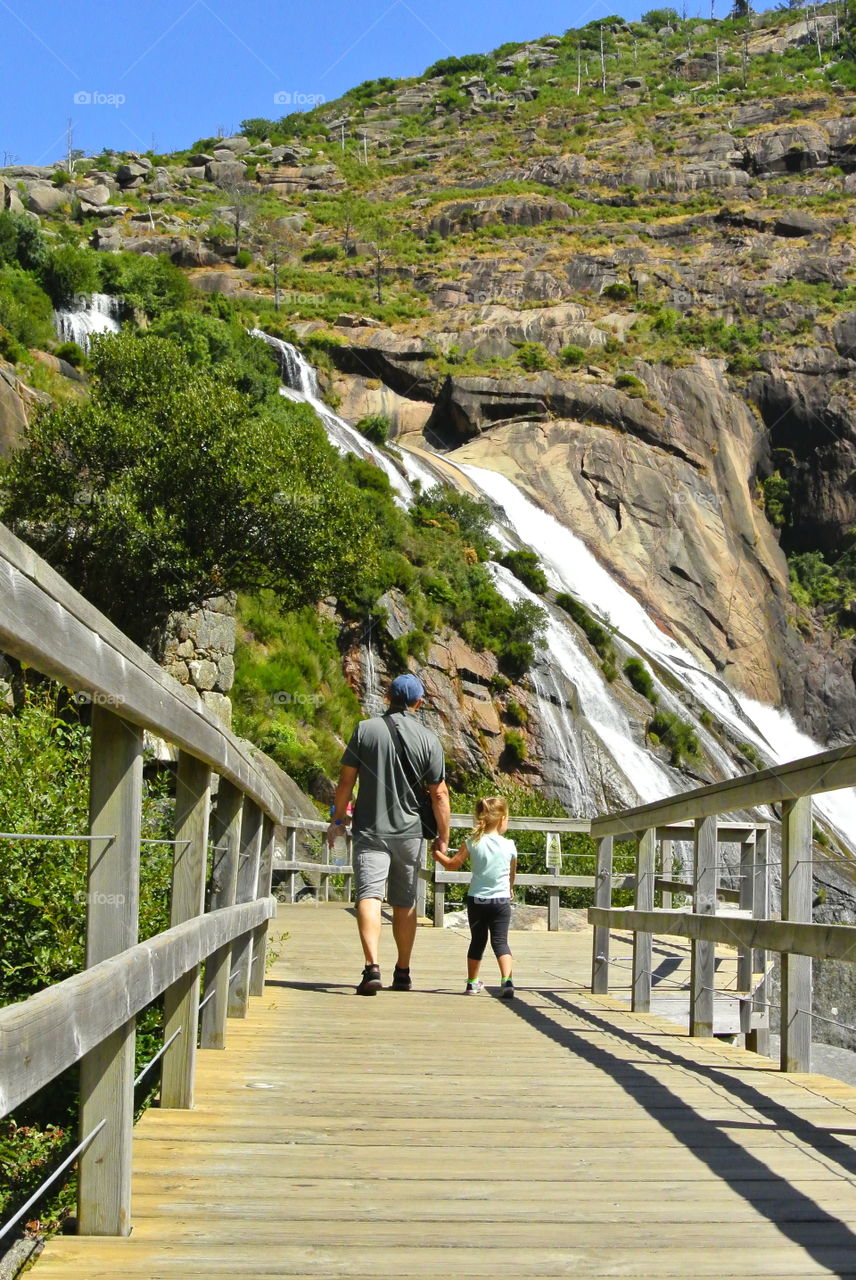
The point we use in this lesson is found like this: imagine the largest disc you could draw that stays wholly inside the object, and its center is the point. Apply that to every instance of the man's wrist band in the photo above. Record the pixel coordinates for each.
(337, 822)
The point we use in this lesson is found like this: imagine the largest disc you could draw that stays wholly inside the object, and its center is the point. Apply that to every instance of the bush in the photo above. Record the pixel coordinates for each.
(70, 270)
(453, 66)
(375, 427)
(526, 566)
(640, 678)
(677, 735)
(533, 357)
(597, 636)
(657, 18)
(572, 356)
(21, 241)
(516, 750)
(322, 253)
(777, 499)
(243, 258)
(617, 292)
(515, 712)
(152, 285)
(71, 353)
(26, 312)
(630, 383)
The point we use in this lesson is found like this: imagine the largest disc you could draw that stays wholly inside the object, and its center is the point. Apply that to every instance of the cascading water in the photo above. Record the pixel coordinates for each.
(301, 386)
(594, 760)
(90, 314)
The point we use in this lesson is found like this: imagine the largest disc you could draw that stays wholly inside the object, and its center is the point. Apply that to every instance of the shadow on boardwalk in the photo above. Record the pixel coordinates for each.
(824, 1237)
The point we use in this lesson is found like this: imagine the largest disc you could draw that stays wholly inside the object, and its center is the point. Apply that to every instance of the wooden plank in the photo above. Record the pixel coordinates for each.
(646, 854)
(42, 1036)
(796, 982)
(181, 1000)
(603, 899)
(263, 888)
(50, 626)
(703, 952)
(112, 917)
(224, 885)
(823, 941)
(828, 771)
(758, 1039)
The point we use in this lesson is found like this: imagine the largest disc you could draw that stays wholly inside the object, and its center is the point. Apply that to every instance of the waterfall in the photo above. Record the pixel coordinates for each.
(88, 315)
(592, 758)
(301, 386)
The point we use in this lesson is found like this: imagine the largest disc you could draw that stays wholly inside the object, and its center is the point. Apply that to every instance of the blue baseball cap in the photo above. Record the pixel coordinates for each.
(407, 689)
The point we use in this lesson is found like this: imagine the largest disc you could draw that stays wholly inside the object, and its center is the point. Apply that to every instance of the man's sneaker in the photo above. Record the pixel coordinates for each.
(473, 988)
(401, 980)
(506, 991)
(370, 983)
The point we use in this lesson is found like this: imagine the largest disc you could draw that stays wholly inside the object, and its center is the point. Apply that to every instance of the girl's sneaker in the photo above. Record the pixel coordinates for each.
(473, 988)
(506, 991)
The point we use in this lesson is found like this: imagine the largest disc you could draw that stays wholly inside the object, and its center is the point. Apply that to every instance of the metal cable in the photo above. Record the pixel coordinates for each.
(49, 1181)
(157, 1056)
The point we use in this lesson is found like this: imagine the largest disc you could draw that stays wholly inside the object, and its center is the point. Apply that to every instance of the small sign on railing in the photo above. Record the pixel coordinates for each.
(553, 857)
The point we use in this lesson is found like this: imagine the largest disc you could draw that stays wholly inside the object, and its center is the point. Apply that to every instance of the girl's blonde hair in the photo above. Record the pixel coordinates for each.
(489, 813)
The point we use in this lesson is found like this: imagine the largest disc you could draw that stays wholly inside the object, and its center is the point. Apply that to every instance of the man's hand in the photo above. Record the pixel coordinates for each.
(440, 846)
(334, 831)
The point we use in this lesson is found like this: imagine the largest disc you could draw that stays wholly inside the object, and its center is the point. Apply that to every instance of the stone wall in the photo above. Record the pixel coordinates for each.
(198, 650)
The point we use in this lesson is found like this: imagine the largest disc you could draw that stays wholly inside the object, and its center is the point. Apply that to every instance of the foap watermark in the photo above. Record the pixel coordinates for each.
(95, 899)
(85, 98)
(283, 698)
(97, 699)
(293, 99)
(686, 498)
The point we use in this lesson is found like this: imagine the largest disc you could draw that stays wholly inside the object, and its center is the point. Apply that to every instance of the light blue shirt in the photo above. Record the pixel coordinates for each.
(490, 858)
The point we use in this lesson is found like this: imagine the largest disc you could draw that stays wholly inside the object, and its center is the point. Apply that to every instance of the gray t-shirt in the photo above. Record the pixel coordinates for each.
(385, 804)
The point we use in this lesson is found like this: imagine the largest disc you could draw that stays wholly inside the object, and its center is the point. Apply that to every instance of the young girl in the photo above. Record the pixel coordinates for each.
(494, 863)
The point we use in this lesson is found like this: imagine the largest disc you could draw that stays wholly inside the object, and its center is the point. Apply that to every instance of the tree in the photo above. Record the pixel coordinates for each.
(242, 206)
(381, 242)
(170, 485)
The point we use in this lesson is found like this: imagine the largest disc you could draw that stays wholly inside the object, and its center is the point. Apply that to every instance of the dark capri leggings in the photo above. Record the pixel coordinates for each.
(488, 916)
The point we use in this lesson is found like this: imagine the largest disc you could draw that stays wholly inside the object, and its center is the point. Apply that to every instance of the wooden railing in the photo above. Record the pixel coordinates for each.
(695, 815)
(90, 1017)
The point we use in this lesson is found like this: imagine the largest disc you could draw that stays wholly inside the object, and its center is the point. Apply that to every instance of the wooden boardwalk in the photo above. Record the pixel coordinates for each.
(421, 1135)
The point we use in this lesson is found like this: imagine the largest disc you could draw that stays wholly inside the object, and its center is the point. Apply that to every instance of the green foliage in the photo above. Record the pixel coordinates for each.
(468, 518)
(751, 754)
(71, 353)
(290, 694)
(243, 258)
(170, 485)
(526, 566)
(533, 357)
(516, 749)
(630, 383)
(515, 713)
(572, 356)
(152, 285)
(26, 312)
(777, 499)
(618, 292)
(453, 66)
(598, 636)
(21, 241)
(69, 270)
(322, 253)
(657, 18)
(375, 427)
(814, 582)
(641, 679)
(677, 735)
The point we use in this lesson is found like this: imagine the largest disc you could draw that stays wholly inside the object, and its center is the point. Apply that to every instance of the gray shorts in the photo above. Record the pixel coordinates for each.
(377, 861)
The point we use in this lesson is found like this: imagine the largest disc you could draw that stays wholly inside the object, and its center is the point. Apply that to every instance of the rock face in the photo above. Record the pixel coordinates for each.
(520, 211)
(18, 403)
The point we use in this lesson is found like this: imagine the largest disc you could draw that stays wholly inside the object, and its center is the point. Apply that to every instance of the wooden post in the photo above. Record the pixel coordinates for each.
(668, 865)
(703, 954)
(602, 898)
(421, 885)
(112, 915)
(439, 901)
(646, 854)
(263, 889)
(224, 884)
(181, 1000)
(349, 873)
(292, 857)
(744, 954)
(758, 1038)
(796, 905)
(248, 874)
(553, 896)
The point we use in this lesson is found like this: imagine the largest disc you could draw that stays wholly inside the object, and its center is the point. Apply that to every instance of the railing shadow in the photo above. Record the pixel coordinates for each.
(791, 1210)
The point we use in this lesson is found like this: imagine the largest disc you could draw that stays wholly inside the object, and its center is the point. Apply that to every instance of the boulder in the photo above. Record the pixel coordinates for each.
(18, 403)
(132, 173)
(97, 195)
(199, 160)
(522, 211)
(797, 223)
(225, 171)
(237, 144)
(791, 150)
(42, 199)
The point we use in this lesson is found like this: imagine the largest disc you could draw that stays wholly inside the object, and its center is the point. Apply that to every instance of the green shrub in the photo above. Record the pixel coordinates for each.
(21, 241)
(526, 566)
(572, 356)
(375, 427)
(26, 312)
(71, 353)
(657, 18)
(640, 678)
(243, 258)
(533, 357)
(777, 499)
(70, 270)
(617, 292)
(751, 753)
(152, 285)
(10, 347)
(61, 178)
(677, 735)
(516, 749)
(597, 636)
(322, 253)
(630, 383)
(515, 712)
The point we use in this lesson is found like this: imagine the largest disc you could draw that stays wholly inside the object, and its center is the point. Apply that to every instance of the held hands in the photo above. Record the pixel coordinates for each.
(440, 851)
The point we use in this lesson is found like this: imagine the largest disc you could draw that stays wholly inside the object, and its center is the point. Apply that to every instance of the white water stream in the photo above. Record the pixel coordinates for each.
(594, 754)
(91, 314)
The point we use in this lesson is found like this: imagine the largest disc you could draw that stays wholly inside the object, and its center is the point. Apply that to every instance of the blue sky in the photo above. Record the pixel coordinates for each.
(163, 73)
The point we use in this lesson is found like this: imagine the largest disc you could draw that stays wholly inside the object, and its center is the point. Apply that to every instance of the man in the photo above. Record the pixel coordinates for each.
(386, 823)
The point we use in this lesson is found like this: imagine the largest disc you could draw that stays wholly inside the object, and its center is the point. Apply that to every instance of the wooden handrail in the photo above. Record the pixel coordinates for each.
(50, 626)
